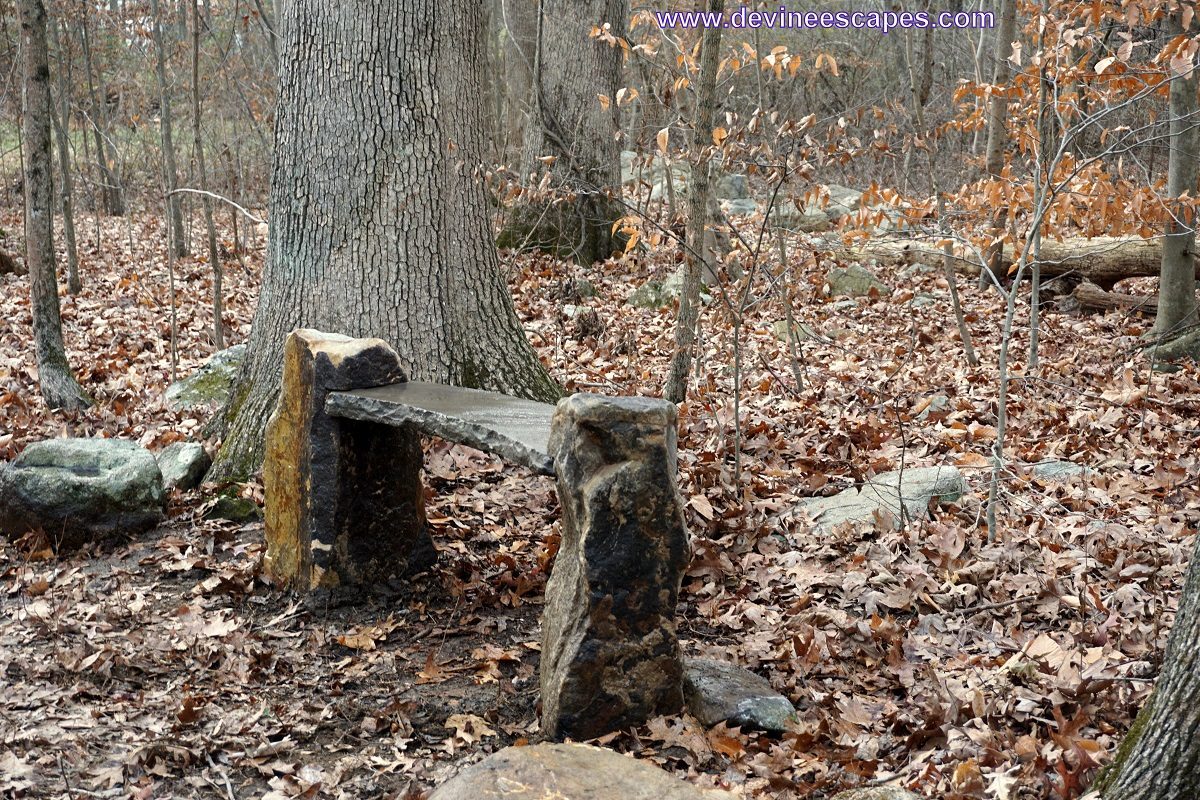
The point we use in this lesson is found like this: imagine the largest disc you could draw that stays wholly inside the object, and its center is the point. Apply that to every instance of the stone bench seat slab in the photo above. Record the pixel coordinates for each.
(516, 429)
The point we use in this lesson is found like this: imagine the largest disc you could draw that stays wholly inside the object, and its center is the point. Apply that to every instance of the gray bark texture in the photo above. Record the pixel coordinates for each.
(1176, 282)
(58, 385)
(379, 221)
(569, 124)
(1160, 757)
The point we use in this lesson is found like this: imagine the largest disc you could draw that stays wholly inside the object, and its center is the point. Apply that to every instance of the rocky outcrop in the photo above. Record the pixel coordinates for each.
(610, 656)
(81, 490)
(568, 772)
(905, 495)
(717, 691)
(209, 385)
(344, 502)
(819, 214)
(854, 281)
(183, 465)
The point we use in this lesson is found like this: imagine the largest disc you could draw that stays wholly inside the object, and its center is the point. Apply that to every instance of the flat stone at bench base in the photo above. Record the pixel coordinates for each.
(344, 498)
(568, 772)
(717, 691)
(81, 490)
(610, 656)
(511, 427)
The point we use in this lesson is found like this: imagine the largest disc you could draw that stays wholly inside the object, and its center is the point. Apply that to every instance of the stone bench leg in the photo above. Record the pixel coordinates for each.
(344, 502)
(610, 656)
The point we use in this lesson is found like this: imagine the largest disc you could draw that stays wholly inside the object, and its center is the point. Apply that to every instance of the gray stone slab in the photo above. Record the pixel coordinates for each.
(511, 427)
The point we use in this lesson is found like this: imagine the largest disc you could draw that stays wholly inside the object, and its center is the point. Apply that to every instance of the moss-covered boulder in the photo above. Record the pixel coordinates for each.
(80, 490)
(210, 385)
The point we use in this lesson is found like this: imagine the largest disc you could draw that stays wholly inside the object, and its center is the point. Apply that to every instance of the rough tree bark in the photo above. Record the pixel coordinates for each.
(379, 220)
(1177, 282)
(689, 298)
(58, 385)
(569, 124)
(1160, 757)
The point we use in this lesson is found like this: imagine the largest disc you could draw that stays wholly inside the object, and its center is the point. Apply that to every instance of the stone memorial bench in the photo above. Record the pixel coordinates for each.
(345, 505)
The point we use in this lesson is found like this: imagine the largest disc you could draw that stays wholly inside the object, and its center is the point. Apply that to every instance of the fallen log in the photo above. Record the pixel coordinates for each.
(1103, 260)
(1091, 297)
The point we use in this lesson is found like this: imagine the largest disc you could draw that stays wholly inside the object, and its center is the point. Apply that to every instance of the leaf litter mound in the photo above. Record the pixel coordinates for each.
(929, 658)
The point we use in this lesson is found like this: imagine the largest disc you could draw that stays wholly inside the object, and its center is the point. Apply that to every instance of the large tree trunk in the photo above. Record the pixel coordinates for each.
(1160, 757)
(571, 125)
(58, 385)
(379, 221)
(1177, 282)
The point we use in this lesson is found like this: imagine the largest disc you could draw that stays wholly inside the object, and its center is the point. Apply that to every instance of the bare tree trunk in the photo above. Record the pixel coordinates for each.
(572, 126)
(1160, 756)
(689, 299)
(997, 124)
(178, 242)
(62, 123)
(58, 385)
(214, 258)
(518, 20)
(112, 198)
(379, 220)
(1177, 282)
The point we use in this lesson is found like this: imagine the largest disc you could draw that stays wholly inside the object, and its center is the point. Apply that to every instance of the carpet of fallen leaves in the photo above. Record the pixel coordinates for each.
(931, 658)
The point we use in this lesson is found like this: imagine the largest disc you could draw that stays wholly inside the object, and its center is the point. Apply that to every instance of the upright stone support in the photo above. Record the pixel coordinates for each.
(344, 502)
(610, 656)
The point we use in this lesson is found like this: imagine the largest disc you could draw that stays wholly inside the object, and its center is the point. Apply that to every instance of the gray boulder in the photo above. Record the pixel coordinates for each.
(877, 793)
(656, 294)
(905, 495)
(854, 281)
(716, 691)
(732, 187)
(739, 207)
(183, 465)
(209, 385)
(1052, 470)
(570, 772)
(819, 214)
(81, 490)
(801, 331)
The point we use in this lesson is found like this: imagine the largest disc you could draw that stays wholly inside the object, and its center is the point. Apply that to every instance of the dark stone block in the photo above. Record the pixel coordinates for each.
(610, 655)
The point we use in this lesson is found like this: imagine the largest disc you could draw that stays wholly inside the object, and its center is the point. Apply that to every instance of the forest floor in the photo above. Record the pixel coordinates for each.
(168, 666)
